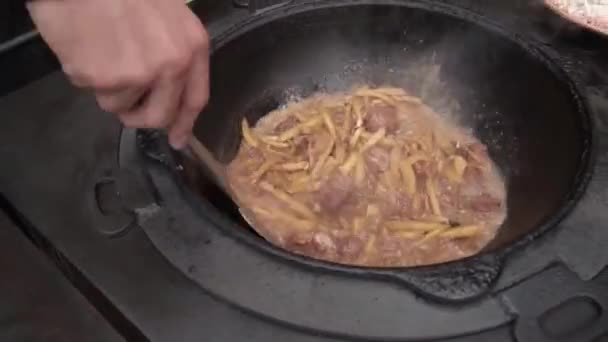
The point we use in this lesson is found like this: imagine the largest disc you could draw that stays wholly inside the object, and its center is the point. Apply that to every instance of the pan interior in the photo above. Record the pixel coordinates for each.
(515, 103)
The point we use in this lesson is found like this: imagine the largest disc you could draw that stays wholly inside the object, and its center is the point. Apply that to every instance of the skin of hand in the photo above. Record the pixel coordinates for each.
(145, 60)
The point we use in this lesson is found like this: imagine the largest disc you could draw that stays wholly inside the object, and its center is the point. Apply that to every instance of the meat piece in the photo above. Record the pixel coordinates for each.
(324, 242)
(377, 159)
(381, 116)
(474, 174)
(396, 204)
(478, 150)
(351, 247)
(389, 248)
(317, 146)
(301, 144)
(447, 194)
(335, 191)
(484, 203)
(474, 152)
(422, 168)
(301, 239)
(286, 124)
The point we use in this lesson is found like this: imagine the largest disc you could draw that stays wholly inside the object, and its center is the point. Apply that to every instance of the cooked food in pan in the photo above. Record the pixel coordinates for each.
(372, 177)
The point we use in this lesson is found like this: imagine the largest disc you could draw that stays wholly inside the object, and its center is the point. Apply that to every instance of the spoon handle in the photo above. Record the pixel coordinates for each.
(205, 157)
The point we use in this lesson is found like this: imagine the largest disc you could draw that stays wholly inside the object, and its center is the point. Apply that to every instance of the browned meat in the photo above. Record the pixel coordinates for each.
(301, 144)
(474, 152)
(473, 175)
(286, 124)
(478, 150)
(377, 159)
(301, 239)
(485, 203)
(317, 146)
(422, 168)
(382, 116)
(350, 247)
(335, 191)
(324, 242)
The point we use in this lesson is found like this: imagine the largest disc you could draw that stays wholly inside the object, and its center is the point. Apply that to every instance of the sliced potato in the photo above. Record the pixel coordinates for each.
(454, 169)
(461, 232)
(292, 203)
(432, 194)
(394, 166)
(374, 139)
(248, 134)
(359, 172)
(409, 177)
(350, 163)
(414, 225)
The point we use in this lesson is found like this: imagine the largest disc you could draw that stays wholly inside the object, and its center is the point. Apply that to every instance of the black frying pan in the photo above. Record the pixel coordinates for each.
(516, 101)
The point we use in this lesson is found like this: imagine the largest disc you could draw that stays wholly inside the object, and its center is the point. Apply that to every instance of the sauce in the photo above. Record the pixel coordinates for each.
(371, 178)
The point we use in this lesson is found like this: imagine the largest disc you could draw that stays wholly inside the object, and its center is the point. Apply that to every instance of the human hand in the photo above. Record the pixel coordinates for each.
(129, 50)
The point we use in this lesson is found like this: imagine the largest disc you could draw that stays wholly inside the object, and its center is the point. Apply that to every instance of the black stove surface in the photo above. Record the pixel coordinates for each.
(60, 156)
(38, 303)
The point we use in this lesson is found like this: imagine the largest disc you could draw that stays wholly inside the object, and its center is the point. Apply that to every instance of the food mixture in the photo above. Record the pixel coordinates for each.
(372, 177)
(591, 12)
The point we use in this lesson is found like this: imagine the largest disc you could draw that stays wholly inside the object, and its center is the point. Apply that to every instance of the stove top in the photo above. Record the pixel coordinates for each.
(63, 166)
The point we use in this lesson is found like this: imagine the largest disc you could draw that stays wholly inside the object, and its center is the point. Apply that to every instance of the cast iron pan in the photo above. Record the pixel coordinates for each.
(516, 99)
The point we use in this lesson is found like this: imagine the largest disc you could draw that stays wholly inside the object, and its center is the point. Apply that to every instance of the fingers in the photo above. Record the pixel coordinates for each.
(121, 100)
(160, 107)
(194, 98)
(196, 91)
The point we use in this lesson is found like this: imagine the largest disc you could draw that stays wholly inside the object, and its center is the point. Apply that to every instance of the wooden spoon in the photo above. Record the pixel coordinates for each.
(218, 172)
(208, 161)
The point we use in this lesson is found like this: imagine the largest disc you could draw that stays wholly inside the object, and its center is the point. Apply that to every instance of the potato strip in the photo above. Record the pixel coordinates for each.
(370, 246)
(373, 139)
(357, 224)
(409, 235)
(340, 152)
(433, 201)
(416, 158)
(433, 234)
(290, 201)
(359, 172)
(355, 138)
(358, 115)
(321, 162)
(248, 135)
(329, 167)
(410, 99)
(394, 167)
(408, 176)
(348, 121)
(414, 225)
(350, 163)
(273, 141)
(261, 171)
(372, 210)
(295, 166)
(294, 131)
(461, 232)
(329, 124)
(377, 94)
